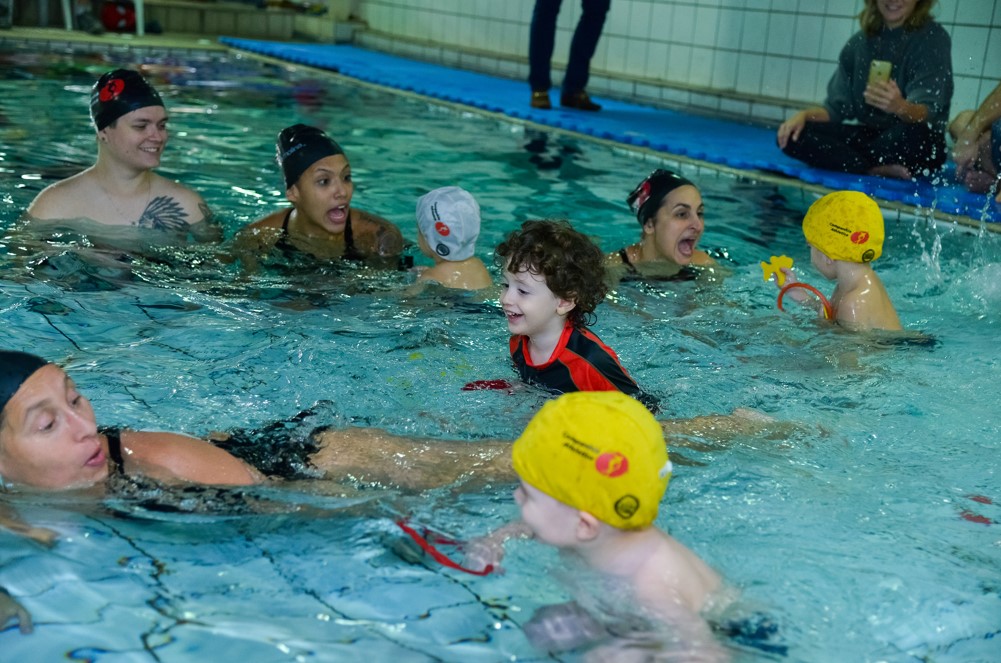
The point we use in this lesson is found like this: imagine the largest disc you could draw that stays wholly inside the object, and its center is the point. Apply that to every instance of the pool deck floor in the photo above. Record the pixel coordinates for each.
(720, 144)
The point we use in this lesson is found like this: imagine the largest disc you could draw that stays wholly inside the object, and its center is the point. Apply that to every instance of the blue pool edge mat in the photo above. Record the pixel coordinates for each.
(723, 142)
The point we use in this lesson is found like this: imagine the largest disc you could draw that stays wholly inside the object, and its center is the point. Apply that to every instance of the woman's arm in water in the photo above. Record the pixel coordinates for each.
(172, 457)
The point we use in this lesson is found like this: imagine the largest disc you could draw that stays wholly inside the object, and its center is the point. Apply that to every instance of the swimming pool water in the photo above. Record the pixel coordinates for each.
(860, 532)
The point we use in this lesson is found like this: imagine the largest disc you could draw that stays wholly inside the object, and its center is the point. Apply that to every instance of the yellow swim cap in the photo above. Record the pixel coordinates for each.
(598, 451)
(845, 225)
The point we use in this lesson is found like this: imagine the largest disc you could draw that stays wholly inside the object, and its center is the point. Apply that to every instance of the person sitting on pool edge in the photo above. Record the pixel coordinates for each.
(49, 440)
(321, 221)
(594, 468)
(845, 232)
(448, 224)
(670, 211)
(554, 279)
(121, 188)
(977, 149)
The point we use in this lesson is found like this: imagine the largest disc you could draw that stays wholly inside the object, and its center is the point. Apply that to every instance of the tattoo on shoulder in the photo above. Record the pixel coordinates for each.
(164, 213)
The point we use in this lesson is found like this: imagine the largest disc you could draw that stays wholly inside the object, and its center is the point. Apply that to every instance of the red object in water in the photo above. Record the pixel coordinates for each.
(981, 498)
(118, 16)
(480, 385)
(975, 517)
(437, 555)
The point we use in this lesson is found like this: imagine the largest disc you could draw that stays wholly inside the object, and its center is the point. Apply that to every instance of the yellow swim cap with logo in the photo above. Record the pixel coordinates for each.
(597, 451)
(845, 225)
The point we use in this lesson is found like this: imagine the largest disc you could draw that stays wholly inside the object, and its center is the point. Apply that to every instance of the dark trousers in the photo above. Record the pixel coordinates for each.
(585, 40)
(850, 148)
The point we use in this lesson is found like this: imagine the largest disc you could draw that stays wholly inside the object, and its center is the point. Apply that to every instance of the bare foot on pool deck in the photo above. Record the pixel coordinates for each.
(896, 171)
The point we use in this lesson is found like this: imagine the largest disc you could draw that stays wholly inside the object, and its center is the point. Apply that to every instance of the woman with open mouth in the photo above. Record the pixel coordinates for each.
(670, 212)
(321, 221)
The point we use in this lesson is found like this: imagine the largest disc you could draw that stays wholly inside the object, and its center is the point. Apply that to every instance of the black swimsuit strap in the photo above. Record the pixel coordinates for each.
(350, 252)
(114, 436)
(288, 215)
(624, 254)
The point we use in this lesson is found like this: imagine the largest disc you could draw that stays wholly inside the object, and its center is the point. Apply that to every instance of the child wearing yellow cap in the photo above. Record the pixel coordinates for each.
(593, 469)
(845, 232)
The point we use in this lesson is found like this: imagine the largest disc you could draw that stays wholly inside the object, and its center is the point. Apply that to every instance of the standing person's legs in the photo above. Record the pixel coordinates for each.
(541, 38)
(584, 44)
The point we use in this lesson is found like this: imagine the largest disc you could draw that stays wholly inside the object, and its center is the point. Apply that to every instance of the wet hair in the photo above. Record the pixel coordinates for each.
(300, 146)
(649, 194)
(872, 21)
(573, 265)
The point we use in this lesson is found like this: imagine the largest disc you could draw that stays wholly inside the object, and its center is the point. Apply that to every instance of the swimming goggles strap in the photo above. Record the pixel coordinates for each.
(437, 554)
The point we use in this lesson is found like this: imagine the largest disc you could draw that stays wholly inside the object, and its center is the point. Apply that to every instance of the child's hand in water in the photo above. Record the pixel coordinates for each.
(11, 609)
(488, 550)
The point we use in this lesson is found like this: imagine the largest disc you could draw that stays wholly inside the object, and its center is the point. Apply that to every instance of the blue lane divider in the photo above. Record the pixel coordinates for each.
(723, 142)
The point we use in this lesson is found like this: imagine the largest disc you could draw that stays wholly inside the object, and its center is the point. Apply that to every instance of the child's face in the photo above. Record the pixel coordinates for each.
(550, 520)
(422, 244)
(823, 265)
(530, 306)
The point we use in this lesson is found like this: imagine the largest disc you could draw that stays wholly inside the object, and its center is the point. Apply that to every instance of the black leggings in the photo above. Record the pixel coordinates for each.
(850, 148)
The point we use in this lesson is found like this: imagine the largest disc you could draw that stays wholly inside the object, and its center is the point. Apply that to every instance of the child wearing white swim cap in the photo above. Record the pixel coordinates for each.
(448, 224)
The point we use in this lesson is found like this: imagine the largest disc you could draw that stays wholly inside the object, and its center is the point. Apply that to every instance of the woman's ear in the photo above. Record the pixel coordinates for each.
(588, 527)
(292, 194)
(649, 226)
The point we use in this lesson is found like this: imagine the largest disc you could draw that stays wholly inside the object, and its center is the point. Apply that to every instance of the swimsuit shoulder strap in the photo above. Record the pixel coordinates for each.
(350, 251)
(114, 436)
(288, 215)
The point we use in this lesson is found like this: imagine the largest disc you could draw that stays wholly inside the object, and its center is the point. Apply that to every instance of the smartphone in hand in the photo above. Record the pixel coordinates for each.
(879, 71)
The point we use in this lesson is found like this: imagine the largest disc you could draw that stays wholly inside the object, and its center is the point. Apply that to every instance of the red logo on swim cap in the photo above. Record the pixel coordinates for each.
(442, 229)
(612, 464)
(111, 90)
(860, 237)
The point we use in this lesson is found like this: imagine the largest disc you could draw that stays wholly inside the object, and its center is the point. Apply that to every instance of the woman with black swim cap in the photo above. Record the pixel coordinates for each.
(121, 189)
(49, 440)
(321, 221)
(670, 212)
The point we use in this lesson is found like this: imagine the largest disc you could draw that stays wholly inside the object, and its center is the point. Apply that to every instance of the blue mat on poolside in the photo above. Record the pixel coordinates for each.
(723, 142)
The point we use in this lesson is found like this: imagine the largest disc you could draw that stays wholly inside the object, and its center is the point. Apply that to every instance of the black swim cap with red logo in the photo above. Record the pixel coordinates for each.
(120, 92)
(649, 194)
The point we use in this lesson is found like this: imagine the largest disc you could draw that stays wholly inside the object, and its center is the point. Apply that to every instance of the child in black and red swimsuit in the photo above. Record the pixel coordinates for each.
(554, 278)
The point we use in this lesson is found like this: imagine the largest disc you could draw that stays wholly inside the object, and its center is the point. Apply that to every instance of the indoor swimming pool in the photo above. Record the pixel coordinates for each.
(867, 527)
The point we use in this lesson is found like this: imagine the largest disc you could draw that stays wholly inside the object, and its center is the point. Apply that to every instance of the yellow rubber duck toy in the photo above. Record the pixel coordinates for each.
(775, 266)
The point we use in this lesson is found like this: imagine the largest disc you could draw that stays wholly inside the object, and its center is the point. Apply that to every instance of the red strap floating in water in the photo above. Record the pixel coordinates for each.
(480, 385)
(437, 554)
(828, 309)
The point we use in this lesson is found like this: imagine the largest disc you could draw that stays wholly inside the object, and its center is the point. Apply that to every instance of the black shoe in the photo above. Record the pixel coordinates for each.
(578, 100)
(540, 100)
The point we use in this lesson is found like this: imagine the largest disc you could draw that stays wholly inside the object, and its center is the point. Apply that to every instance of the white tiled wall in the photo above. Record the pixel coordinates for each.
(750, 58)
